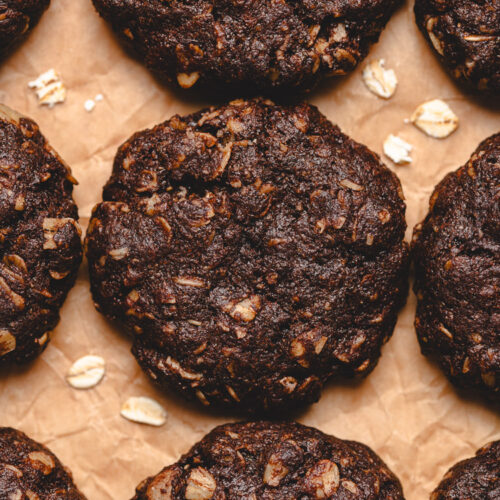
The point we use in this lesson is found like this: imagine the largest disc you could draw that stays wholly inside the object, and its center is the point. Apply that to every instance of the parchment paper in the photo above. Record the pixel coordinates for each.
(405, 410)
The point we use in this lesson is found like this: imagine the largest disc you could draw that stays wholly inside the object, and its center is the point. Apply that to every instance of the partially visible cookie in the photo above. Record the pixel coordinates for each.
(17, 18)
(457, 273)
(40, 242)
(248, 45)
(29, 471)
(476, 478)
(253, 251)
(273, 461)
(465, 35)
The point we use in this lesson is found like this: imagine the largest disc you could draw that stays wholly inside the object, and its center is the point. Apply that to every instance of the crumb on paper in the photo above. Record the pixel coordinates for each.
(90, 104)
(144, 410)
(398, 150)
(435, 118)
(380, 81)
(49, 88)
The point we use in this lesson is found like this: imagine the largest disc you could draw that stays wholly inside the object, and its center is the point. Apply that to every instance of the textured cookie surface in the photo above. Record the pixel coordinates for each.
(475, 478)
(29, 471)
(457, 269)
(251, 44)
(264, 460)
(253, 251)
(17, 17)
(40, 246)
(465, 34)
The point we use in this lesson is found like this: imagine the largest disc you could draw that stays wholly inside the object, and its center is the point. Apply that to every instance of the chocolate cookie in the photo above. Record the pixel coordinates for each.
(465, 34)
(457, 273)
(477, 478)
(253, 251)
(40, 246)
(265, 460)
(28, 470)
(248, 45)
(17, 18)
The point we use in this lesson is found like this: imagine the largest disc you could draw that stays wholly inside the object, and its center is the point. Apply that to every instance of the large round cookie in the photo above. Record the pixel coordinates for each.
(477, 478)
(273, 461)
(40, 246)
(29, 471)
(258, 44)
(17, 17)
(253, 251)
(457, 268)
(465, 35)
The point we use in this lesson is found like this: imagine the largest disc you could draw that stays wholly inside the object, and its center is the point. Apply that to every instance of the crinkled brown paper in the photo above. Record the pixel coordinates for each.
(405, 410)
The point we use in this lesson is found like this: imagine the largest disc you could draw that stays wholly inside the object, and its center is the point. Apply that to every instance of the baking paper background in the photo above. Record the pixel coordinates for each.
(405, 410)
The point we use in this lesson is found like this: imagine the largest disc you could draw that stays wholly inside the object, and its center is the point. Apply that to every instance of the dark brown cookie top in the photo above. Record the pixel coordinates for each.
(457, 269)
(465, 34)
(29, 471)
(253, 251)
(272, 461)
(17, 17)
(40, 245)
(477, 478)
(248, 45)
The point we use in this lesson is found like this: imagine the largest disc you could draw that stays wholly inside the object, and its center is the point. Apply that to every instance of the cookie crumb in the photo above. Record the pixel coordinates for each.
(89, 105)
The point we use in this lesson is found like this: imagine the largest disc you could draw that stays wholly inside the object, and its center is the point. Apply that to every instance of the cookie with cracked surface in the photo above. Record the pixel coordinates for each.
(28, 470)
(465, 35)
(253, 251)
(248, 45)
(456, 250)
(474, 478)
(273, 461)
(40, 240)
(17, 18)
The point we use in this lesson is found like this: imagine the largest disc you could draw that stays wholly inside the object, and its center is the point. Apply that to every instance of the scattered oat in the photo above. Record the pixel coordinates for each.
(144, 410)
(49, 88)
(380, 81)
(200, 485)
(187, 80)
(86, 372)
(435, 118)
(397, 150)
